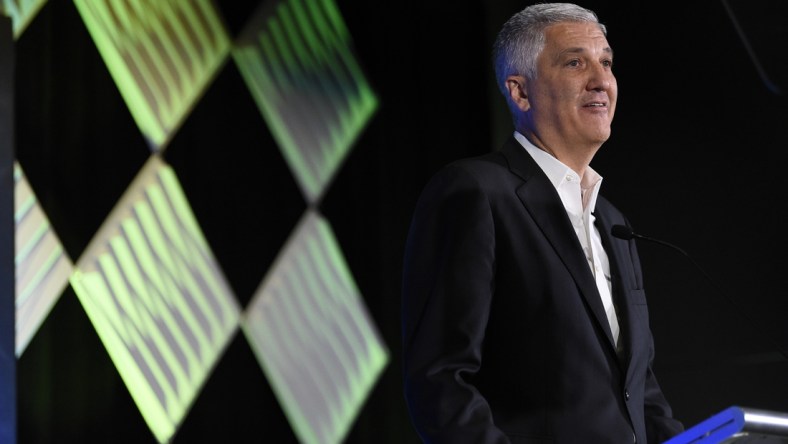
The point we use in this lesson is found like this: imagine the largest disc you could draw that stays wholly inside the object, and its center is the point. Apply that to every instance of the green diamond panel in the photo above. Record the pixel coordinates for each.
(21, 12)
(296, 58)
(157, 297)
(42, 266)
(161, 54)
(312, 335)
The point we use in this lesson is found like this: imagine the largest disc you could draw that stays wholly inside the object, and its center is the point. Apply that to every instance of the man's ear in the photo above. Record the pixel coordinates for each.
(517, 92)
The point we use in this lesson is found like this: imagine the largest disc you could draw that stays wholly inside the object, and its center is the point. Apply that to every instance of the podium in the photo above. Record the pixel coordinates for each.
(740, 425)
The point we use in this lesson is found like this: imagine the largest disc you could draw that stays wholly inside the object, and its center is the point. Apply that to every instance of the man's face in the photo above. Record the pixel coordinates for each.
(573, 98)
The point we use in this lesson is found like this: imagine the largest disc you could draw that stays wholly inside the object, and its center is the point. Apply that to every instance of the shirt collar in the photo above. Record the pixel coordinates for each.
(557, 172)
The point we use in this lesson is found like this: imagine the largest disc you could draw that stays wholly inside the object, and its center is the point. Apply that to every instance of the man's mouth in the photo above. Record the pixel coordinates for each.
(595, 105)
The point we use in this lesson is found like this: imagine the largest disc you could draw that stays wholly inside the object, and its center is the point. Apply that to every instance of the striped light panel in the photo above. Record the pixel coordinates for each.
(21, 13)
(157, 297)
(296, 59)
(42, 266)
(162, 54)
(313, 336)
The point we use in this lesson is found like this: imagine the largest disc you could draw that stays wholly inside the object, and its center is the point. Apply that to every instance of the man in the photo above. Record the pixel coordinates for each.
(523, 319)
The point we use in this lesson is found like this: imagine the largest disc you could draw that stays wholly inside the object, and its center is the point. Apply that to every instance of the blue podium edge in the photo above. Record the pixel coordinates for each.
(714, 429)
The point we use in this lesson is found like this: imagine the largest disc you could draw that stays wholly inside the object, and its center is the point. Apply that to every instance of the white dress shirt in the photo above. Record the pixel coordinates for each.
(579, 199)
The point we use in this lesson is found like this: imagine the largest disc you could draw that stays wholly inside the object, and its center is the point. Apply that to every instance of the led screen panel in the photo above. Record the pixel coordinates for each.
(42, 266)
(157, 297)
(161, 54)
(312, 335)
(21, 12)
(296, 58)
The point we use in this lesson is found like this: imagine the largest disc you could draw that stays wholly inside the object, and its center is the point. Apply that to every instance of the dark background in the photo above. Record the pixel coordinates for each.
(694, 160)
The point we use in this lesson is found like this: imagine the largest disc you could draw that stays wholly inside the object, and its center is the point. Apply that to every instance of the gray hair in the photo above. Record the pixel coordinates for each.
(522, 39)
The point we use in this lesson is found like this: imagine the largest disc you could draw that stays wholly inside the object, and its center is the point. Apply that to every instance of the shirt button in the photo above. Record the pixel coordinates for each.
(626, 395)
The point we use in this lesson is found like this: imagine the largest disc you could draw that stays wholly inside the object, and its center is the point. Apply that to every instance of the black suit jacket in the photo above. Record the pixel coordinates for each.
(505, 336)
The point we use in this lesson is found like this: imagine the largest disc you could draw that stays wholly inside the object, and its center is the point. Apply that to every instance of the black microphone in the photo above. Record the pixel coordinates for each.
(626, 233)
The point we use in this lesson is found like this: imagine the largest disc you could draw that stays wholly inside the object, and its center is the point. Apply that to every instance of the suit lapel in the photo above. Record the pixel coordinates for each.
(544, 205)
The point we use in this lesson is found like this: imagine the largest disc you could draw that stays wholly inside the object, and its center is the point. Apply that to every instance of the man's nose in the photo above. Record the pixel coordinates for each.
(601, 78)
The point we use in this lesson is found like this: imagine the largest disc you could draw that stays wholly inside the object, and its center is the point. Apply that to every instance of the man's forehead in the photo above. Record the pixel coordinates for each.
(575, 38)
(575, 34)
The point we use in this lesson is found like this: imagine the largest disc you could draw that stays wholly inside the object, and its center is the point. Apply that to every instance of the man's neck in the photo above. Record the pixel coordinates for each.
(576, 159)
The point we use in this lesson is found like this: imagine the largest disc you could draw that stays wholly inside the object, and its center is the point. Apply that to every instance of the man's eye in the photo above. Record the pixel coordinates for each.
(573, 63)
(607, 63)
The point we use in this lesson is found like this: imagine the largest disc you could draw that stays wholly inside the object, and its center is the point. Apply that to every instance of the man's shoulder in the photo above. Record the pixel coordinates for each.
(493, 161)
(461, 175)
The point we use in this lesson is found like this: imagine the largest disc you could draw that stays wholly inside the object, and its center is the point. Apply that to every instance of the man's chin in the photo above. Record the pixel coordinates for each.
(599, 136)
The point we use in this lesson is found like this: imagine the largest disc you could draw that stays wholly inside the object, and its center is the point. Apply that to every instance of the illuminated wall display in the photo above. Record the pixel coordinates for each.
(21, 12)
(42, 266)
(296, 59)
(148, 280)
(162, 55)
(157, 297)
(309, 328)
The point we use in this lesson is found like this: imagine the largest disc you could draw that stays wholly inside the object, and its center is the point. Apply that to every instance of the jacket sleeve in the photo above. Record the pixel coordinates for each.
(660, 424)
(448, 284)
